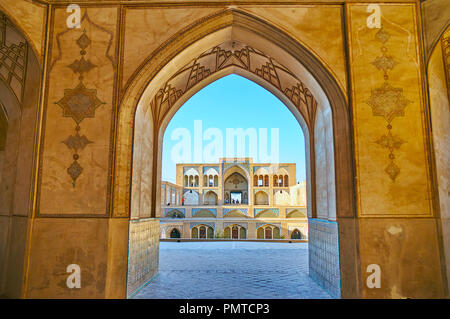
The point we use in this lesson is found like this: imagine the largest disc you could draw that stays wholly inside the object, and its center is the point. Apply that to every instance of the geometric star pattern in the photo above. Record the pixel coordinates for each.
(388, 102)
(79, 103)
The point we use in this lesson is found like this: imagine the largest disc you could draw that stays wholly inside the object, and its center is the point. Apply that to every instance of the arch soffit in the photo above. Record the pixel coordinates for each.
(20, 28)
(267, 225)
(204, 213)
(211, 171)
(295, 213)
(435, 44)
(200, 225)
(236, 168)
(174, 210)
(235, 57)
(281, 172)
(191, 171)
(235, 225)
(266, 213)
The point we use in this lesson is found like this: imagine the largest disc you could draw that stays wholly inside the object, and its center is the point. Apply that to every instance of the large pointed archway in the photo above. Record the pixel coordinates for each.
(20, 78)
(190, 61)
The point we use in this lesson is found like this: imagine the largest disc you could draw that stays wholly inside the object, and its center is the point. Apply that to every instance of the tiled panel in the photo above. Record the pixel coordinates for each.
(324, 255)
(242, 210)
(196, 210)
(143, 253)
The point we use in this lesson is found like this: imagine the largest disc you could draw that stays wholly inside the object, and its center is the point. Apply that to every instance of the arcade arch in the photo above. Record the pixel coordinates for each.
(20, 85)
(268, 231)
(307, 89)
(235, 232)
(202, 231)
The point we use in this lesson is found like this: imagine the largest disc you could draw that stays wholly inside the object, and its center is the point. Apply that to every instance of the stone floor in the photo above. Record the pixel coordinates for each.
(232, 270)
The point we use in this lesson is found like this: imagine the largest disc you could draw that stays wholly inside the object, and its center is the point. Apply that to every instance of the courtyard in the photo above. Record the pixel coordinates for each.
(232, 270)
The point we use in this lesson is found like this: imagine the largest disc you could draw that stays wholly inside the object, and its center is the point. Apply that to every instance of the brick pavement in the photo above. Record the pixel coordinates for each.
(232, 270)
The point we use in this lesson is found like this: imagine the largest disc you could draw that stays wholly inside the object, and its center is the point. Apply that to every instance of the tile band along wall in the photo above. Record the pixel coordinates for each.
(143, 253)
(324, 255)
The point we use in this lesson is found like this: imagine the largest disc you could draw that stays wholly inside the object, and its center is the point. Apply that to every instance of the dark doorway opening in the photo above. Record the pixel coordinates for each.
(175, 233)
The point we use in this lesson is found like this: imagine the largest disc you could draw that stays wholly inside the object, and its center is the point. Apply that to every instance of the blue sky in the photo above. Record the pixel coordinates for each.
(235, 102)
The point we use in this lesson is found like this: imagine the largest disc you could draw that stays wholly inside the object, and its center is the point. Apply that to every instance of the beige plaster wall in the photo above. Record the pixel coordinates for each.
(143, 33)
(378, 194)
(317, 27)
(324, 153)
(59, 242)
(407, 252)
(393, 175)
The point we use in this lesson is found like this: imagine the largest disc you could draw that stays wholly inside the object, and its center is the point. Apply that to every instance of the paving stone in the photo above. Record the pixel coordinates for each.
(232, 270)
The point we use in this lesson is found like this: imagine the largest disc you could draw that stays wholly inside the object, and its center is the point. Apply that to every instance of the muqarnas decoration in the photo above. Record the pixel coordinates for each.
(79, 103)
(388, 102)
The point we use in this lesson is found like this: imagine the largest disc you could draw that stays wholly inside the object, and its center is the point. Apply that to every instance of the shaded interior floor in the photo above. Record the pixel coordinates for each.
(232, 270)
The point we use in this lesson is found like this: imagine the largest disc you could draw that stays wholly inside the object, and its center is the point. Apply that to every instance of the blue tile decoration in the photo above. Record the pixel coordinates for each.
(273, 224)
(324, 266)
(255, 168)
(274, 210)
(212, 210)
(186, 168)
(205, 168)
(244, 164)
(245, 225)
(168, 210)
(212, 224)
(242, 210)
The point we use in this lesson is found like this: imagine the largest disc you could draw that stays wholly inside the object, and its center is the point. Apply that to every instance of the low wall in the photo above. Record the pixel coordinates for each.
(143, 253)
(243, 239)
(323, 250)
